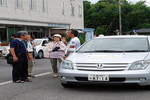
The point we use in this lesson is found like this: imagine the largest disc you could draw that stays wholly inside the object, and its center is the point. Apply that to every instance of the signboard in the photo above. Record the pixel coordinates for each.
(58, 25)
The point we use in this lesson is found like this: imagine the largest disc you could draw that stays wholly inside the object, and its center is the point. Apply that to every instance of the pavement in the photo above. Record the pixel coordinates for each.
(1, 57)
(45, 87)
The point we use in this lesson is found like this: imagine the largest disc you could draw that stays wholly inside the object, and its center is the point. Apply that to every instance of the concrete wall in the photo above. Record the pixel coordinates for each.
(11, 15)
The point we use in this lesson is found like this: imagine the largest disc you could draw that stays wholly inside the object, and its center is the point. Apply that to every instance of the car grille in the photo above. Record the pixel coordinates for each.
(122, 79)
(102, 67)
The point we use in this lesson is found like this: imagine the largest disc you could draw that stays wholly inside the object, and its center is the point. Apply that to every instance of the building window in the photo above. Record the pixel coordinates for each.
(79, 11)
(18, 4)
(72, 10)
(63, 8)
(44, 5)
(3, 34)
(32, 4)
(3, 2)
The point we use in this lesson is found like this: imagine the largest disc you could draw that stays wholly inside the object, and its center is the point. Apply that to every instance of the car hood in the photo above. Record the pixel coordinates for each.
(2, 47)
(107, 57)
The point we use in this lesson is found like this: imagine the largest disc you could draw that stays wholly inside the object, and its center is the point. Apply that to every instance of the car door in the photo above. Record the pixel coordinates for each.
(44, 45)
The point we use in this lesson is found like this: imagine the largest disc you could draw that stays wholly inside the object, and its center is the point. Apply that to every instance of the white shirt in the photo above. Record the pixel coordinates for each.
(73, 42)
(29, 46)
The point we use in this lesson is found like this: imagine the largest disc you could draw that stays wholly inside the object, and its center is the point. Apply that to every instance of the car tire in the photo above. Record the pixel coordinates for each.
(68, 85)
(40, 54)
(147, 87)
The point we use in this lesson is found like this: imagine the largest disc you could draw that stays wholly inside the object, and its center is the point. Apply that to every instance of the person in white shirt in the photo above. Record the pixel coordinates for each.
(74, 42)
(30, 52)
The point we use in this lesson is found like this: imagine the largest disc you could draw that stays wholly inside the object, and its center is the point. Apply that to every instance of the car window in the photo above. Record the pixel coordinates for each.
(44, 42)
(115, 44)
(37, 42)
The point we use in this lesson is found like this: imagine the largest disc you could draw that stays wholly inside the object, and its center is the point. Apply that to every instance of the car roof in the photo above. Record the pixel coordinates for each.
(124, 36)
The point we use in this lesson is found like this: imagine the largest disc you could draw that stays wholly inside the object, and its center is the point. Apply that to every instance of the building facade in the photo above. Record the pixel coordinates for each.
(39, 17)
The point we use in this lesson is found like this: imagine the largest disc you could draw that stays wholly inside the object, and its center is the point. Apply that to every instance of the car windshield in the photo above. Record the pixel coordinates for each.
(115, 45)
(37, 42)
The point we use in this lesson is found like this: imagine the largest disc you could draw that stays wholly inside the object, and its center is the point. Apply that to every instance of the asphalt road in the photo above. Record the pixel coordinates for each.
(45, 87)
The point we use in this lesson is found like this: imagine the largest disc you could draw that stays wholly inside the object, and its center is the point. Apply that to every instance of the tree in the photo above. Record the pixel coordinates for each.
(104, 16)
(99, 30)
(87, 6)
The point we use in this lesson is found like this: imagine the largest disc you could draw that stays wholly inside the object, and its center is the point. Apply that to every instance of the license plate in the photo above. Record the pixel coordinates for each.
(94, 77)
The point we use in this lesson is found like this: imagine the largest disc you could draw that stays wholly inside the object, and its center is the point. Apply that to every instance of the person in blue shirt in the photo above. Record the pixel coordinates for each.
(12, 36)
(20, 57)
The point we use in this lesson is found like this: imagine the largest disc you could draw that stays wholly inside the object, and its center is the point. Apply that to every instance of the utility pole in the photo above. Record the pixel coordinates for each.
(120, 20)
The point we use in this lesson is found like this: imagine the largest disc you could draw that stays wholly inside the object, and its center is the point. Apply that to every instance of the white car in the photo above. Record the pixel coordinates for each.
(5, 50)
(40, 47)
(1, 49)
(108, 60)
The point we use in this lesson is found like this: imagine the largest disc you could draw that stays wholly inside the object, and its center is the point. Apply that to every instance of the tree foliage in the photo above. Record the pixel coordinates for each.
(103, 16)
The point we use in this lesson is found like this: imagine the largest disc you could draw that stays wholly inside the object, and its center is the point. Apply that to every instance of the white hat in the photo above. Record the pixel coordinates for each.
(57, 35)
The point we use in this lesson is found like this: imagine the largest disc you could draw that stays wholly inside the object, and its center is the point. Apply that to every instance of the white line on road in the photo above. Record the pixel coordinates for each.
(38, 75)
(4, 83)
(43, 74)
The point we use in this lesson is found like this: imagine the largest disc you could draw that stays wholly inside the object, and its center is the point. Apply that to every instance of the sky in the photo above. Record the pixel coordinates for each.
(148, 1)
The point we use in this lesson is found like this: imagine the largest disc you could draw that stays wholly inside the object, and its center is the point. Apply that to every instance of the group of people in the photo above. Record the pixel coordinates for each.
(22, 50)
(57, 49)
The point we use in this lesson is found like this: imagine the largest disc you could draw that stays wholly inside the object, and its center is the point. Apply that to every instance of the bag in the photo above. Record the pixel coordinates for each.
(9, 59)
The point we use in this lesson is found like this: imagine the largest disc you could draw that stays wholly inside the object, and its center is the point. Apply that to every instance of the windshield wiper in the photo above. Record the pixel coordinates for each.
(136, 51)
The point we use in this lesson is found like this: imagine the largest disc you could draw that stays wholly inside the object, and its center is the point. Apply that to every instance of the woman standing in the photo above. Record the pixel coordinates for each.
(56, 51)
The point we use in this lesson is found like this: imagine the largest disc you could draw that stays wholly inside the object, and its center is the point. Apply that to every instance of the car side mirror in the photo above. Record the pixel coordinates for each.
(71, 50)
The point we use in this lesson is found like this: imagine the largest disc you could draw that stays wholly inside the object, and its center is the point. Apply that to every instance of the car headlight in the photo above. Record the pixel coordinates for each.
(4, 49)
(66, 64)
(139, 65)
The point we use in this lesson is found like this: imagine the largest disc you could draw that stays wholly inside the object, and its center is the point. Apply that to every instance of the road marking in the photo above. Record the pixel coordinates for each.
(43, 74)
(4, 83)
(38, 75)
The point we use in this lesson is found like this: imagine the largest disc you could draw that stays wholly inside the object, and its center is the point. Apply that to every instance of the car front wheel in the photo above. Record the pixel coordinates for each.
(147, 87)
(40, 54)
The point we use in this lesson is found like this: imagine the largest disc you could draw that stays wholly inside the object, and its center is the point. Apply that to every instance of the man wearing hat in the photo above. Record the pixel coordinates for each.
(56, 50)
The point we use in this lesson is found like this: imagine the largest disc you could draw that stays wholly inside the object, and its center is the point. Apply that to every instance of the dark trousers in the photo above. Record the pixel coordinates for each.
(20, 68)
